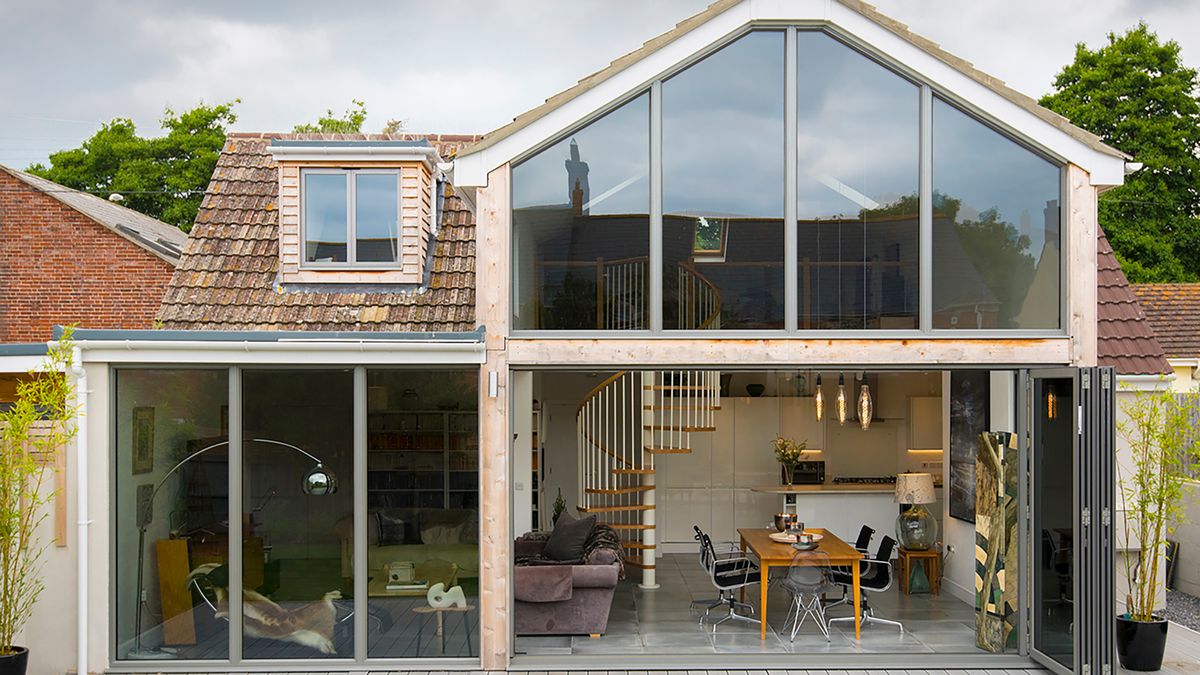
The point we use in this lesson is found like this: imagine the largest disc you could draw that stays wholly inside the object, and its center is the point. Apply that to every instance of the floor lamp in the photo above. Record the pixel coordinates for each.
(319, 481)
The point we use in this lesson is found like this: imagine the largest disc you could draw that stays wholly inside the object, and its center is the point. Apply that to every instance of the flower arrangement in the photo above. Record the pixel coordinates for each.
(789, 452)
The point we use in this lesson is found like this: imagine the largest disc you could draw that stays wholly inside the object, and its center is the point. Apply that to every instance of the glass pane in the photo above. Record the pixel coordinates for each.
(376, 217)
(581, 238)
(171, 513)
(1053, 519)
(996, 238)
(723, 185)
(858, 130)
(297, 533)
(325, 217)
(423, 512)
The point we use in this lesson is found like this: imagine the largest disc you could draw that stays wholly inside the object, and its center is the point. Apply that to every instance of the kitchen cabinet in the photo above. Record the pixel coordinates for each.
(925, 423)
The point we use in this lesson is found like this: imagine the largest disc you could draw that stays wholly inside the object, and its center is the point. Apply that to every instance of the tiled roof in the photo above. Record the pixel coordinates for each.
(865, 9)
(1173, 310)
(227, 279)
(1125, 339)
(157, 237)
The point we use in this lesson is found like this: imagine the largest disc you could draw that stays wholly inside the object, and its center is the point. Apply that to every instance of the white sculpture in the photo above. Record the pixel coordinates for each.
(440, 598)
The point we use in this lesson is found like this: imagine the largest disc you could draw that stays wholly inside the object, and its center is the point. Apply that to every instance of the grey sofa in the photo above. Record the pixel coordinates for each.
(563, 599)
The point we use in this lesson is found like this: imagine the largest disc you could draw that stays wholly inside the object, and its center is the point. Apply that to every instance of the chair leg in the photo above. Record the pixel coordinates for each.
(868, 617)
(732, 614)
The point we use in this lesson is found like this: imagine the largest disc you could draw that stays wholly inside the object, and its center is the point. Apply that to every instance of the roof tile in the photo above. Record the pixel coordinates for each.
(1124, 338)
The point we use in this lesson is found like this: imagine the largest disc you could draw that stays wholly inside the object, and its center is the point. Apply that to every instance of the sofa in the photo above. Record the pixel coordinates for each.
(416, 536)
(563, 599)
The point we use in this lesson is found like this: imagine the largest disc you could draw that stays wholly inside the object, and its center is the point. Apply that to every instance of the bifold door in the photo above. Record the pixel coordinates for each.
(1071, 423)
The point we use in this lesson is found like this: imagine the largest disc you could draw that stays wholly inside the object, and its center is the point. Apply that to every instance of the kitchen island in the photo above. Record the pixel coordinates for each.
(843, 508)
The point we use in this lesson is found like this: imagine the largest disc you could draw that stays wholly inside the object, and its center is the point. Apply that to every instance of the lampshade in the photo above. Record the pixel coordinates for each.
(914, 488)
(319, 482)
(819, 400)
(841, 399)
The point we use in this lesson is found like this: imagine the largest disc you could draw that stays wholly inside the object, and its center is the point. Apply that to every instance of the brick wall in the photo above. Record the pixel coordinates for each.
(59, 267)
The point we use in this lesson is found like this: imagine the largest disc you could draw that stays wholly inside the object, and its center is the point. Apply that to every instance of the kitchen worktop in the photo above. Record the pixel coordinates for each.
(830, 488)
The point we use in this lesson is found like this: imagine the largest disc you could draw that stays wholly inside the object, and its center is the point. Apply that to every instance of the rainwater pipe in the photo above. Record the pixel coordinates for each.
(82, 522)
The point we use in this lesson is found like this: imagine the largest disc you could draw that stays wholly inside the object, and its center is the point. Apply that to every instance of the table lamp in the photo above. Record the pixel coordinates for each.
(916, 528)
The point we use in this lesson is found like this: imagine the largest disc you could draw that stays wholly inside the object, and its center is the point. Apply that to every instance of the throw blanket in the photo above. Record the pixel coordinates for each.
(602, 537)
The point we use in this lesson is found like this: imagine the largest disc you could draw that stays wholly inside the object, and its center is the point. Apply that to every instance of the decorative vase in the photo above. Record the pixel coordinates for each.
(1140, 644)
(789, 473)
(15, 663)
(916, 528)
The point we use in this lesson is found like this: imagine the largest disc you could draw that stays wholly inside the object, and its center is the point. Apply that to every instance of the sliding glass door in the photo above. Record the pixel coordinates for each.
(334, 480)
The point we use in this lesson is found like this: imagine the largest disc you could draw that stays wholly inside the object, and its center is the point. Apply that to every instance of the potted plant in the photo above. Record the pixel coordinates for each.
(1157, 427)
(37, 425)
(788, 453)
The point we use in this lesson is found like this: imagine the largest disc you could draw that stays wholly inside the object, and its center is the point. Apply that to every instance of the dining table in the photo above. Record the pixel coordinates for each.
(830, 550)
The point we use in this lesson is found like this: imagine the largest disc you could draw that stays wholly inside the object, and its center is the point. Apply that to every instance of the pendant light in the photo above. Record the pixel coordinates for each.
(841, 399)
(819, 399)
(1051, 403)
(865, 405)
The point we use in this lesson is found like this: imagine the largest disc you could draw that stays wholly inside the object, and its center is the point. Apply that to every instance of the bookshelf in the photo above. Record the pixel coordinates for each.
(423, 459)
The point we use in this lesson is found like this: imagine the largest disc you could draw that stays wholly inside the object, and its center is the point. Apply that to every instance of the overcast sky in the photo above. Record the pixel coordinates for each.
(453, 66)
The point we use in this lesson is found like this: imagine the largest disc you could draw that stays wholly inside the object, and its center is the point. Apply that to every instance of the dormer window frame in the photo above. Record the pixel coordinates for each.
(351, 262)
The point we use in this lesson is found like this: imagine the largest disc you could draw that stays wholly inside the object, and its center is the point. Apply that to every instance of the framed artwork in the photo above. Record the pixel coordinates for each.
(969, 404)
(143, 439)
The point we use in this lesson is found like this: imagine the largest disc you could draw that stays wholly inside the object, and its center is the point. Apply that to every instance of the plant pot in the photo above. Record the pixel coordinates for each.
(1140, 644)
(15, 663)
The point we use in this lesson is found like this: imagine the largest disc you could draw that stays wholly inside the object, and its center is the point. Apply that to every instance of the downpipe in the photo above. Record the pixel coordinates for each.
(82, 522)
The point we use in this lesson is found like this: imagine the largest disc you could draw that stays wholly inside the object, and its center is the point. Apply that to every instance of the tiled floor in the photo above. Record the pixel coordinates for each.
(661, 622)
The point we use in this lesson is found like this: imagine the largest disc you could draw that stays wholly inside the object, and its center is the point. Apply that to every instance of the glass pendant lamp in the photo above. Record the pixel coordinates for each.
(841, 399)
(819, 400)
(865, 405)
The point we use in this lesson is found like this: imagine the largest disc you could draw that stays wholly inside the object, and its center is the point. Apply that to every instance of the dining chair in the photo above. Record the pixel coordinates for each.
(721, 549)
(863, 543)
(728, 573)
(808, 579)
(875, 576)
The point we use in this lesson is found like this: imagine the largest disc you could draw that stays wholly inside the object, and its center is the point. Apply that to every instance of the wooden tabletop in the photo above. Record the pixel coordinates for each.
(830, 549)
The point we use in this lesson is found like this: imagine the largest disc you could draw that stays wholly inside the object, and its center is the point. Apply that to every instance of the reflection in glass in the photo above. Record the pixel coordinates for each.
(175, 507)
(422, 511)
(857, 183)
(996, 235)
(325, 217)
(1053, 515)
(296, 582)
(376, 217)
(581, 227)
(723, 184)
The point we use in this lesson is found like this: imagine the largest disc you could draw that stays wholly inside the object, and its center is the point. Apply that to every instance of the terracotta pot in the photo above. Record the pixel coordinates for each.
(1140, 644)
(15, 663)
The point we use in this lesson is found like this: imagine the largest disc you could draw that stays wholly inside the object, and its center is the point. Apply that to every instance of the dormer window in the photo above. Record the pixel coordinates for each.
(351, 217)
(355, 211)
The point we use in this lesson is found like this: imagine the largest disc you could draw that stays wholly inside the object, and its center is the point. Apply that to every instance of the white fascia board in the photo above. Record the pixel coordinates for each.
(1144, 382)
(1103, 169)
(285, 353)
(21, 364)
(355, 153)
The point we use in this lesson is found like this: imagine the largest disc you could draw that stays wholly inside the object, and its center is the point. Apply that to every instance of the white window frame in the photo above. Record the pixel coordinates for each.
(351, 220)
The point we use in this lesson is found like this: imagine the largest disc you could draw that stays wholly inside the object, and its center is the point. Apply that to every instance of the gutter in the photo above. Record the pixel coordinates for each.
(83, 522)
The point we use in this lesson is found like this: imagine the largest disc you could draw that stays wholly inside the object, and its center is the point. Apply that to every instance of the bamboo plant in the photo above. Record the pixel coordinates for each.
(1157, 427)
(38, 424)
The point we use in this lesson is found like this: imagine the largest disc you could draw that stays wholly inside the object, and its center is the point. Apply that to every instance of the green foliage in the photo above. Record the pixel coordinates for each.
(1157, 427)
(349, 123)
(560, 505)
(39, 424)
(163, 177)
(1137, 95)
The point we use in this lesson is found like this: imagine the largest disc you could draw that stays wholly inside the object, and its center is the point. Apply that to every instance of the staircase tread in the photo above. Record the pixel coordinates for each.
(633, 472)
(614, 509)
(635, 563)
(629, 526)
(668, 451)
(664, 427)
(618, 491)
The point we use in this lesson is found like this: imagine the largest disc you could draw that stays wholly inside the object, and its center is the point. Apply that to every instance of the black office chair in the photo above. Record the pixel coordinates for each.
(728, 572)
(875, 576)
(863, 543)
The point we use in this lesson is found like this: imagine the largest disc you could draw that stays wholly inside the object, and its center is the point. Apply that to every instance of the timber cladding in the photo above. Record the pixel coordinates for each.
(58, 267)
(416, 212)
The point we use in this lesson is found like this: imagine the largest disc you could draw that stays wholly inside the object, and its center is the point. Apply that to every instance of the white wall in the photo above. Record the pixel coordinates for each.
(522, 450)
(1187, 533)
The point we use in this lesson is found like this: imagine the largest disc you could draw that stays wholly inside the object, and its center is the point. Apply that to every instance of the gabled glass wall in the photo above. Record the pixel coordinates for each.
(699, 206)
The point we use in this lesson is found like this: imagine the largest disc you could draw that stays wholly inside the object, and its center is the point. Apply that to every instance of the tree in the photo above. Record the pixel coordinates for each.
(1137, 95)
(162, 177)
(349, 123)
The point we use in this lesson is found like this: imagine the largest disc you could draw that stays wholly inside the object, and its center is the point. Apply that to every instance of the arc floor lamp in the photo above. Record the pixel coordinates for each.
(318, 482)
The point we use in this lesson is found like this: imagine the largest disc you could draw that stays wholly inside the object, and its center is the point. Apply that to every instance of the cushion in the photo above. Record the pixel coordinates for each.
(391, 530)
(569, 535)
(441, 534)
